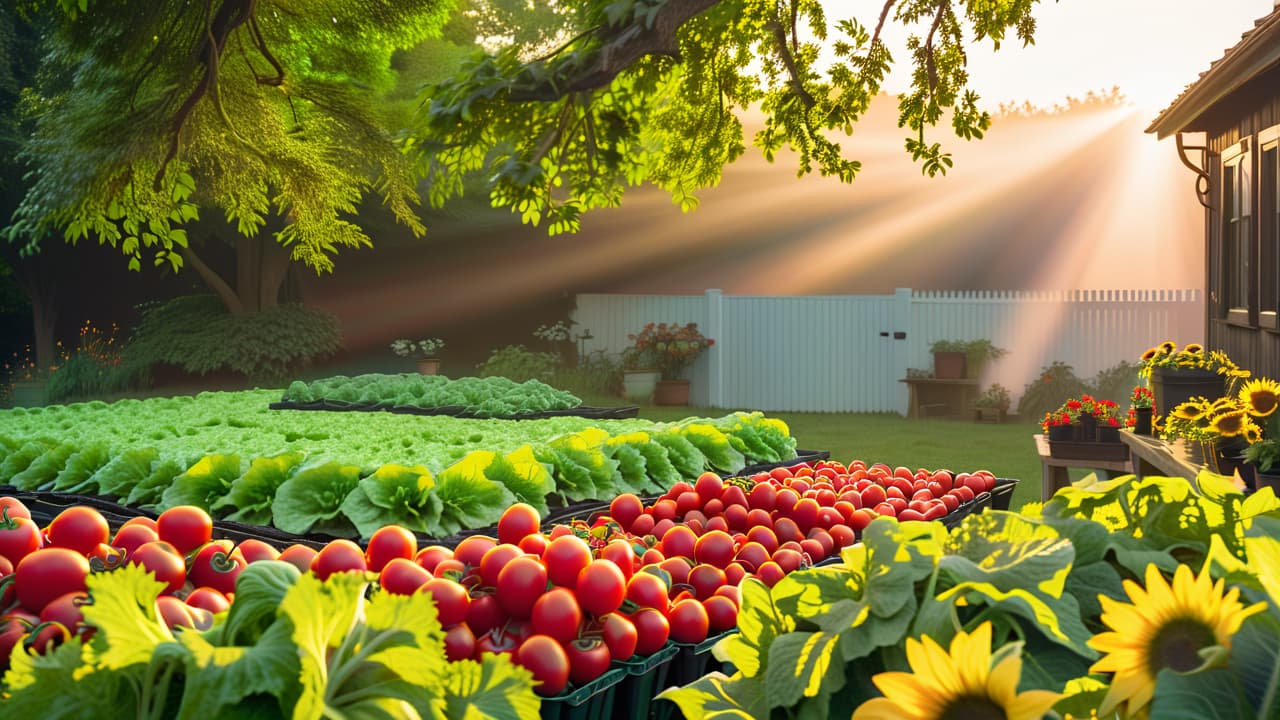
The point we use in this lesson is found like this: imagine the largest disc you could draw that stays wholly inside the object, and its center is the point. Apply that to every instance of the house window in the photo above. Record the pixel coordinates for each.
(1236, 216)
(1269, 221)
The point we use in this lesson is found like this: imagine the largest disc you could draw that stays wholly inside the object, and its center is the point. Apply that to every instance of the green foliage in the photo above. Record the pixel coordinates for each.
(517, 363)
(82, 376)
(198, 335)
(348, 473)
(291, 645)
(807, 647)
(478, 397)
(1055, 383)
(1116, 382)
(596, 374)
(145, 114)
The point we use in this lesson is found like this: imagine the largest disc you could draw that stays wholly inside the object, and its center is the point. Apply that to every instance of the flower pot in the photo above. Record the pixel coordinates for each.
(671, 392)
(1266, 479)
(1174, 386)
(1142, 421)
(28, 393)
(1107, 434)
(429, 366)
(637, 385)
(950, 365)
(1087, 428)
(1061, 432)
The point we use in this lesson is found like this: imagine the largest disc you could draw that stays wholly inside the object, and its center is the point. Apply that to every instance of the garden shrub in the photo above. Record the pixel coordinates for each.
(518, 363)
(83, 376)
(596, 374)
(198, 335)
(1116, 382)
(1055, 383)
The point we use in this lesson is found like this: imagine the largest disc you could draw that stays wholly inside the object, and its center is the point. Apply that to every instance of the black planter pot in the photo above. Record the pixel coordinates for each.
(1267, 479)
(1142, 421)
(1062, 432)
(1087, 430)
(1108, 434)
(1172, 387)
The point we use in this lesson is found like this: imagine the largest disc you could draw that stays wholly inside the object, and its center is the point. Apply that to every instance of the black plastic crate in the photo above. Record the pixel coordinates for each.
(593, 701)
(646, 677)
(1002, 493)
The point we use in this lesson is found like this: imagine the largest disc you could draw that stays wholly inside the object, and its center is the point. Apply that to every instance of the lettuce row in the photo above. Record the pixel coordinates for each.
(480, 397)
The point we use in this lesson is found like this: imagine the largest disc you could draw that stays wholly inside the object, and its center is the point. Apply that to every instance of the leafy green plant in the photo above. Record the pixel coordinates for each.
(479, 397)
(1056, 382)
(197, 334)
(1116, 382)
(1040, 583)
(995, 396)
(595, 374)
(291, 645)
(516, 362)
(977, 352)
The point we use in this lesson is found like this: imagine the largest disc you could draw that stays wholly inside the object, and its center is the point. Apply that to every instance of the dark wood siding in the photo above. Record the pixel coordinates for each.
(1252, 108)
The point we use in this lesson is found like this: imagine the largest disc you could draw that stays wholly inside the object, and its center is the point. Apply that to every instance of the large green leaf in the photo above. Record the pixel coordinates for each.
(322, 614)
(803, 664)
(394, 495)
(59, 685)
(44, 468)
(124, 611)
(684, 455)
(759, 624)
(147, 492)
(715, 446)
(716, 697)
(260, 588)
(524, 475)
(125, 470)
(80, 467)
(1214, 694)
(312, 499)
(20, 459)
(219, 678)
(469, 498)
(204, 483)
(250, 495)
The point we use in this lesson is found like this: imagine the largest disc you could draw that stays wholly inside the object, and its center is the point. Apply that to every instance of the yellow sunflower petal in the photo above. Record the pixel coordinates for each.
(1031, 705)
(882, 709)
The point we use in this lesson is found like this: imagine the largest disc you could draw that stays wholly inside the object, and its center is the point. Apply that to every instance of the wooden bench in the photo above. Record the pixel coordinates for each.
(928, 395)
(1053, 471)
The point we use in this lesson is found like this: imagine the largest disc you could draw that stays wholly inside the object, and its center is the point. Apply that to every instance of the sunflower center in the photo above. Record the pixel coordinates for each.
(1263, 402)
(1177, 646)
(973, 707)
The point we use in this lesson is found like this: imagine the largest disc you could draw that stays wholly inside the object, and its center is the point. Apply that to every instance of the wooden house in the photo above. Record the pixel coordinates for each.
(1236, 104)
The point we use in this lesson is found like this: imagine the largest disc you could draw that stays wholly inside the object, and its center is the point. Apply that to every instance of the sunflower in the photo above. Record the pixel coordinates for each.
(1193, 348)
(1261, 396)
(1167, 347)
(1190, 410)
(1252, 434)
(1150, 354)
(1230, 424)
(1165, 627)
(958, 684)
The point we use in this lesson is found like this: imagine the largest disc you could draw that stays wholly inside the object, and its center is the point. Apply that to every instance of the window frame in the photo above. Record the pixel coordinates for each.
(1236, 163)
(1268, 214)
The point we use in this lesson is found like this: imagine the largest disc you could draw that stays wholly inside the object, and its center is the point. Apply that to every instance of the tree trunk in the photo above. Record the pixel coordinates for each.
(260, 266)
(35, 275)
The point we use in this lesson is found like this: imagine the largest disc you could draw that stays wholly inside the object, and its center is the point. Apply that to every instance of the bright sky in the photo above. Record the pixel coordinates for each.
(1151, 48)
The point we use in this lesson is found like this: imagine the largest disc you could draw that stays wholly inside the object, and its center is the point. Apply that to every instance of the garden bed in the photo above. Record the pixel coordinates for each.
(622, 412)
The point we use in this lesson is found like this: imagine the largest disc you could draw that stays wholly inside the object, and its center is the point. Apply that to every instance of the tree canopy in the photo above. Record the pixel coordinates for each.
(147, 111)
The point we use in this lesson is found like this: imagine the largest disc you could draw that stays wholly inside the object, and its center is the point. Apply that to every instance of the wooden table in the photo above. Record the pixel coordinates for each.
(1053, 471)
(1152, 456)
(927, 392)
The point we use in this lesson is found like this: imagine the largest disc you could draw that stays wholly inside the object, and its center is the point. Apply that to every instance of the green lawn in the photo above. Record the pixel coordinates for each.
(1005, 449)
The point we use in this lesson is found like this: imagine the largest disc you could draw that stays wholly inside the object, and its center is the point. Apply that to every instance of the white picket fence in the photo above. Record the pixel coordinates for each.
(847, 352)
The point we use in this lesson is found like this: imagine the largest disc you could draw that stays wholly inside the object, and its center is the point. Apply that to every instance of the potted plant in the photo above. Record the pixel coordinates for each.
(424, 351)
(672, 348)
(1057, 425)
(639, 372)
(992, 404)
(1140, 410)
(950, 359)
(1260, 397)
(977, 353)
(1177, 375)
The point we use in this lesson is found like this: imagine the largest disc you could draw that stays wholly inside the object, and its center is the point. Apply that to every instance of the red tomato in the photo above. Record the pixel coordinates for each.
(714, 548)
(734, 573)
(620, 553)
(163, 560)
(484, 614)
(78, 528)
(185, 527)
(217, 565)
(453, 603)
(909, 514)
(557, 614)
(389, 542)
(642, 526)
(763, 535)
(174, 612)
(451, 568)
(786, 500)
(713, 507)
(253, 550)
(208, 599)
(472, 548)
(687, 501)
(534, 543)
(547, 660)
(787, 559)
(678, 542)
(706, 579)
(620, 635)
(516, 522)
(338, 556)
(496, 558)
(12, 507)
(663, 510)
(652, 630)
(13, 627)
(964, 492)
(770, 573)
(403, 577)
(648, 590)
(565, 557)
(893, 491)
(752, 554)
(950, 502)
(521, 582)
(733, 495)
(764, 496)
(677, 568)
(498, 642)
(842, 536)
(588, 659)
(626, 508)
(787, 529)
(689, 623)
(601, 588)
(65, 609)
(677, 489)
(738, 517)
(708, 486)
(886, 509)
(131, 537)
(429, 557)
(459, 643)
(873, 495)
(19, 537)
(722, 613)
(805, 513)
(299, 556)
(814, 549)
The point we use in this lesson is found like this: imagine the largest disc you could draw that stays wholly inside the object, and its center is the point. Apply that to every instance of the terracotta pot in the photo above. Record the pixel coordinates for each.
(637, 385)
(949, 365)
(671, 392)
(429, 366)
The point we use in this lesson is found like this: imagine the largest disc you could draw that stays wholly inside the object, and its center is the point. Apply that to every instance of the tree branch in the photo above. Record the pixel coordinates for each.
(618, 51)
(797, 82)
(928, 46)
(213, 280)
(884, 15)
